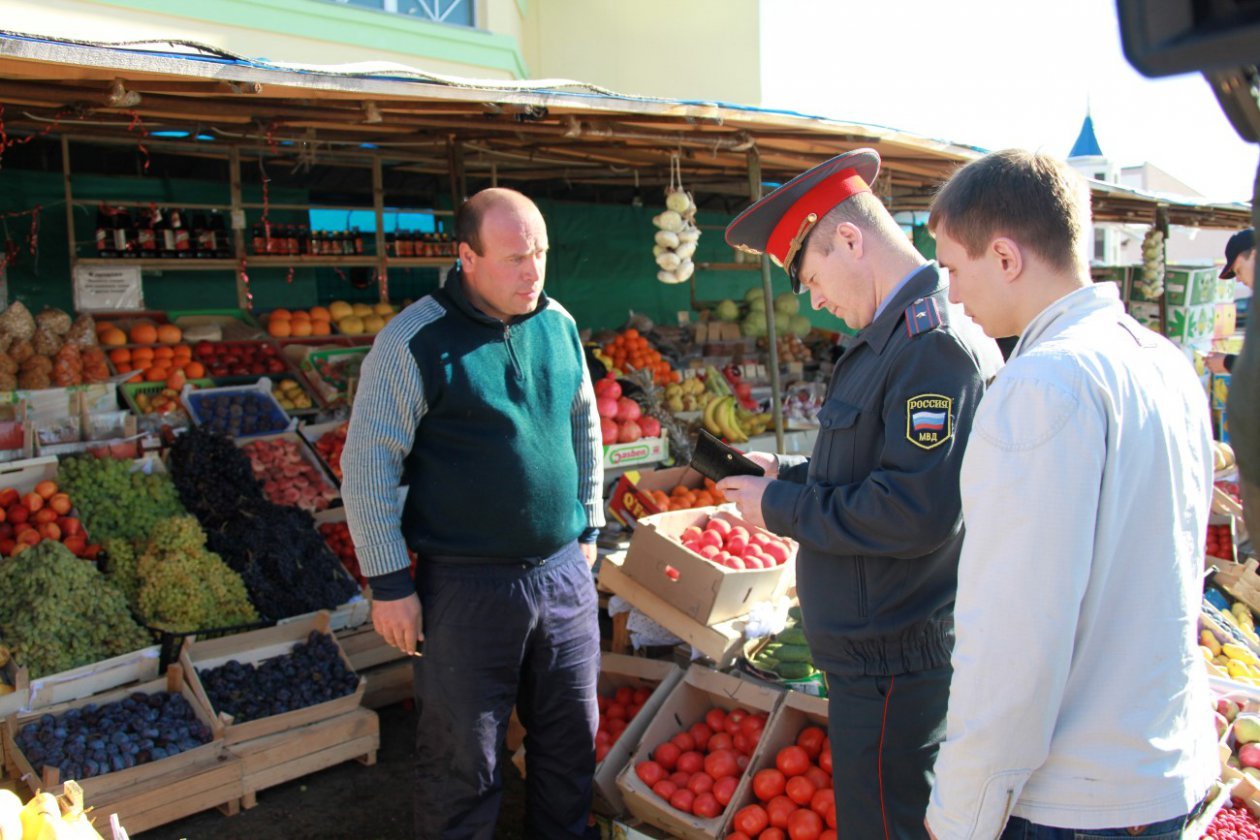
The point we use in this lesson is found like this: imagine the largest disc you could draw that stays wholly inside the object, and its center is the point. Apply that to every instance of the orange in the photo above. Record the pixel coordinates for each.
(176, 380)
(112, 336)
(157, 373)
(279, 327)
(301, 315)
(320, 313)
(299, 327)
(321, 328)
(123, 367)
(169, 334)
(101, 326)
(142, 354)
(120, 355)
(194, 370)
(182, 350)
(139, 377)
(163, 353)
(280, 313)
(144, 334)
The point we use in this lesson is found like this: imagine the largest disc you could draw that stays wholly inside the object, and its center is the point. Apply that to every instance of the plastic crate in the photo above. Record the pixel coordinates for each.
(197, 401)
(131, 390)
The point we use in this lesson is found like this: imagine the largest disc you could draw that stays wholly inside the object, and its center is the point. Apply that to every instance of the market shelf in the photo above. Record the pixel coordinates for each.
(286, 260)
(189, 264)
(420, 262)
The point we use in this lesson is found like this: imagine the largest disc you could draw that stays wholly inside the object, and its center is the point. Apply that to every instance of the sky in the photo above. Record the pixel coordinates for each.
(999, 74)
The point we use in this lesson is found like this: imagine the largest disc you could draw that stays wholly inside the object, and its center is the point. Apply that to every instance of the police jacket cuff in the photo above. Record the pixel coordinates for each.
(588, 535)
(778, 506)
(393, 586)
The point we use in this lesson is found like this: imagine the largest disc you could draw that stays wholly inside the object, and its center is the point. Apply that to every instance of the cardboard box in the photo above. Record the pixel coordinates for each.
(1220, 389)
(721, 643)
(703, 590)
(1190, 324)
(699, 690)
(616, 671)
(630, 500)
(1226, 320)
(795, 712)
(644, 451)
(1146, 314)
(1190, 285)
(1225, 290)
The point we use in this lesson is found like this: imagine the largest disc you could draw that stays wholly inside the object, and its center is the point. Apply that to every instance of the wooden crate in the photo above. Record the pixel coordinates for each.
(366, 649)
(284, 756)
(388, 684)
(252, 648)
(113, 786)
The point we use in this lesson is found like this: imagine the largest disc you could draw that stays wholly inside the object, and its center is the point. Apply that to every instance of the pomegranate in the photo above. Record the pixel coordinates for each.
(629, 432)
(650, 426)
(628, 410)
(608, 387)
(606, 406)
(609, 430)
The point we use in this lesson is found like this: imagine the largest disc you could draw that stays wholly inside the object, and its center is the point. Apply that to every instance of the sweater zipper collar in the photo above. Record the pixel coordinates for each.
(456, 292)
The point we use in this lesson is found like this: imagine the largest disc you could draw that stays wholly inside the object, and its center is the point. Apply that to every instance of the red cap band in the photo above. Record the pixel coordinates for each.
(831, 191)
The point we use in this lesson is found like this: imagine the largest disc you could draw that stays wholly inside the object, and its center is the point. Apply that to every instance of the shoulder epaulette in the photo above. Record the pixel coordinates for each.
(922, 316)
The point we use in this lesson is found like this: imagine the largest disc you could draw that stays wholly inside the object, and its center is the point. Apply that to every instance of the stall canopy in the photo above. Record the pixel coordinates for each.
(593, 141)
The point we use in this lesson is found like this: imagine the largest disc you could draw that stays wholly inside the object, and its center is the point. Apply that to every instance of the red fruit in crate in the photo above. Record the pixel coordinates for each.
(700, 782)
(664, 789)
(601, 752)
(706, 806)
(682, 800)
(733, 717)
(667, 755)
(30, 537)
(629, 432)
(690, 762)
(624, 695)
(824, 800)
(792, 761)
(804, 824)
(679, 778)
(17, 514)
(721, 526)
(8, 497)
(721, 741)
(820, 777)
(641, 696)
(800, 789)
(780, 808)
(811, 740)
(752, 725)
(608, 388)
(768, 783)
(650, 426)
(684, 742)
(778, 551)
(608, 431)
(716, 719)
(7, 546)
(628, 410)
(606, 407)
(615, 711)
(649, 772)
(44, 515)
(736, 545)
(720, 764)
(751, 820)
(724, 789)
(709, 552)
(60, 502)
(33, 502)
(824, 757)
(700, 733)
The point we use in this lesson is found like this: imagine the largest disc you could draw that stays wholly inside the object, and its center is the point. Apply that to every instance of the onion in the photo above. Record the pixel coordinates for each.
(669, 220)
(677, 201)
(667, 238)
(685, 249)
(668, 277)
(685, 270)
(689, 234)
(668, 261)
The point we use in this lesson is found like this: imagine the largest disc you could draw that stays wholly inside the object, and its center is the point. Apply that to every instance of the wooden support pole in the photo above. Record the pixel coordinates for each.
(767, 290)
(237, 222)
(378, 209)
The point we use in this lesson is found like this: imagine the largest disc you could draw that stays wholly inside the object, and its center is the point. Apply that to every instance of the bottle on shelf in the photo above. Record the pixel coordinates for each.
(124, 234)
(202, 239)
(357, 239)
(164, 236)
(146, 239)
(303, 240)
(222, 243)
(104, 238)
(183, 242)
(391, 245)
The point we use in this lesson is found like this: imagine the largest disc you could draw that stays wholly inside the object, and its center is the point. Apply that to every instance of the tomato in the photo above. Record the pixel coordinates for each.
(741, 761)
(724, 789)
(616, 710)
(632, 710)
(680, 778)
(742, 743)
(650, 772)
(737, 835)
(682, 800)
(818, 776)
(792, 761)
(701, 733)
(624, 695)
(721, 764)
(602, 702)
(617, 725)
(811, 740)
(804, 825)
(780, 808)
(775, 833)
(751, 819)
(752, 726)
(721, 741)
(691, 762)
(641, 696)
(601, 751)
(824, 757)
(664, 789)
(824, 800)
(829, 834)
(684, 741)
(800, 790)
(733, 717)
(768, 783)
(666, 755)
(700, 783)
(706, 806)
(602, 735)
(716, 719)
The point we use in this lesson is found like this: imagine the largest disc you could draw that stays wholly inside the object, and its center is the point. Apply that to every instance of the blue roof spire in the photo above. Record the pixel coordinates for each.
(1086, 144)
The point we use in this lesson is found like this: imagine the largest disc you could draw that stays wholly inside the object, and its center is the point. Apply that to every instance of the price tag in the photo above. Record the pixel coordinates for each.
(98, 288)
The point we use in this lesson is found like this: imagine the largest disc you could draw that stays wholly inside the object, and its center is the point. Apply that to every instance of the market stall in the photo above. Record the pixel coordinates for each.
(199, 251)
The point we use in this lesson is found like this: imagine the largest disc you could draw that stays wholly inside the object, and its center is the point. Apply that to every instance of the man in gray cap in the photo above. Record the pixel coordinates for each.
(876, 509)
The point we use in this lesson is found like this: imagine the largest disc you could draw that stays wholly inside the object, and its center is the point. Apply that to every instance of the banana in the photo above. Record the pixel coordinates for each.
(726, 418)
(710, 416)
(1240, 653)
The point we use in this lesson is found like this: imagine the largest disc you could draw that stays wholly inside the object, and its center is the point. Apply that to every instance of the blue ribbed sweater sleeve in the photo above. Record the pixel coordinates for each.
(389, 405)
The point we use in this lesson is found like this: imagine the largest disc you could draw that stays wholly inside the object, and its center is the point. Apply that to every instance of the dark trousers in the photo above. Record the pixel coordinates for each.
(885, 733)
(498, 635)
(1021, 829)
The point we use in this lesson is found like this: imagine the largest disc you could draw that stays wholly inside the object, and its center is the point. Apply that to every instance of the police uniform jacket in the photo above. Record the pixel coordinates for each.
(876, 508)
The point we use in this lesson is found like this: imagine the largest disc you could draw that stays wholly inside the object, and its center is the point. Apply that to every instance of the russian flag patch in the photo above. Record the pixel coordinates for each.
(929, 420)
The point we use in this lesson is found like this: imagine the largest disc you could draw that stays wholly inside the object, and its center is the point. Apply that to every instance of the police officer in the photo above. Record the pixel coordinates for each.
(876, 508)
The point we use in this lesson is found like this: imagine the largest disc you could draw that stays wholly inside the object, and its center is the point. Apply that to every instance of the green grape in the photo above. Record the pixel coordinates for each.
(61, 612)
(182, 586)
(115, 502)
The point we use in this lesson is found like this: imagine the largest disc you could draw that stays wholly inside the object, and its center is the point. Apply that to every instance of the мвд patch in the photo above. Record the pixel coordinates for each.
(929, 420)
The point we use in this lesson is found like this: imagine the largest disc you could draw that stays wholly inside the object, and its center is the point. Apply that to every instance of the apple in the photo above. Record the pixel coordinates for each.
(1224, 705)
(1249, 755)
(736, 545)
(778, 551)
(721, 526)
(691, 532)
(710, 538)
(1247, 728)
(1221, 725)
(709, 551)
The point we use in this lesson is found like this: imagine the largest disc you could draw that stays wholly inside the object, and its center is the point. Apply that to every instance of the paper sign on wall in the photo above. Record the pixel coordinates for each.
(99, 288)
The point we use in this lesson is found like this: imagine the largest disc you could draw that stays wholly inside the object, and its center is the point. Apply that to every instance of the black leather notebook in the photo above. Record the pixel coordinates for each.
(715, 460)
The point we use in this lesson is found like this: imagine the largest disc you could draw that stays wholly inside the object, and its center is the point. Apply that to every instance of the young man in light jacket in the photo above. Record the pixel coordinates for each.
(1079, 700)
